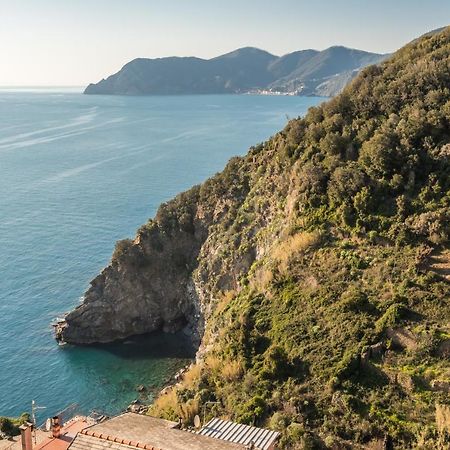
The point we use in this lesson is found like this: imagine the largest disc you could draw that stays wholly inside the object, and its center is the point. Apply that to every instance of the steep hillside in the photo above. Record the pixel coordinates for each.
(243, 70)
(324, 69)
(311, 271)
(283, 66)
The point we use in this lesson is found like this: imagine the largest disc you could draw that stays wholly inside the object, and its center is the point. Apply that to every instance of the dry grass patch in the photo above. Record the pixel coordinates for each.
(224, 299)
(191, 376)
(166, 404)
(188, 411)
(169, 407)
(213, 363)
(261, 279)
(232, 370)
(443, 418)
(294, 245)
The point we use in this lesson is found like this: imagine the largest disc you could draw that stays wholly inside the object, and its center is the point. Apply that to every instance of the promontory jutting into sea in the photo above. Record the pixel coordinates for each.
(104, 164)
(242, 251)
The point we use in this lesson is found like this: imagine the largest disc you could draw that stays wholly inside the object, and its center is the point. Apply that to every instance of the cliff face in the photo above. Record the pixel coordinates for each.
(312, 271)
(147, 286)
(144, 290)
(198, 246)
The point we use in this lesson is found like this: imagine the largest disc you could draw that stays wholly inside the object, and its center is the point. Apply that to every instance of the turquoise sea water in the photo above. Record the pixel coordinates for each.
(76, 174)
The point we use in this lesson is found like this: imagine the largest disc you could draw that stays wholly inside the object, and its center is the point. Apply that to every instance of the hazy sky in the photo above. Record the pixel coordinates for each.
(74, 42)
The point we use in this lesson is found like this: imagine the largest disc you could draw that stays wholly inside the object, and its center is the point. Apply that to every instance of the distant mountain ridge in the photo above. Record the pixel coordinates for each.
(248, 69)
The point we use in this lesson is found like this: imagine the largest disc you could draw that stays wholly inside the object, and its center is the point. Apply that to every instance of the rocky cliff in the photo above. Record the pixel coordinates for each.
(167, 277)
(312, 271)
(148, 285)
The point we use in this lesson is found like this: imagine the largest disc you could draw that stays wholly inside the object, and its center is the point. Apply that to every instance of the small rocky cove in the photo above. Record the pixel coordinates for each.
(168, 277)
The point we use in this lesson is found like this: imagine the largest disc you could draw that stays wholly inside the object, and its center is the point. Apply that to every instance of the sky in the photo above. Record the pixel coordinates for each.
(75, 42)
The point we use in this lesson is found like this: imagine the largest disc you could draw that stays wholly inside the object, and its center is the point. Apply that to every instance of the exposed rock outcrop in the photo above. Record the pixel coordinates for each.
(167, 277)
(444, 349)
(402, 338)
(147, 286)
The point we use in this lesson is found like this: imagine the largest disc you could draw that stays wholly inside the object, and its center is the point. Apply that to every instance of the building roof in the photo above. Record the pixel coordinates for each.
(87, 442)
(54, 444)
(239, 433)
(131, 430)
(68, 433)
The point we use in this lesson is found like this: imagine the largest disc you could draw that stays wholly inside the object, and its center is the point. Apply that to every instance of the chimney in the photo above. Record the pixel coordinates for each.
(56, 427)
(25, 434)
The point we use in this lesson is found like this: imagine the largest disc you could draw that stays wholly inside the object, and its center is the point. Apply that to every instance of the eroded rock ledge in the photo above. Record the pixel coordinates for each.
(164, 278)
(147, 286)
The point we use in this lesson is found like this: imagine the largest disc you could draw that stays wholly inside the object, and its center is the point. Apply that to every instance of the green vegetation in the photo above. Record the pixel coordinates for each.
(9, 426)
(317, 252)
(121, 248)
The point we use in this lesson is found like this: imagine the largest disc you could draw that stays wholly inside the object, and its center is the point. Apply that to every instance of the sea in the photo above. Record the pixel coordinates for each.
(77, 173)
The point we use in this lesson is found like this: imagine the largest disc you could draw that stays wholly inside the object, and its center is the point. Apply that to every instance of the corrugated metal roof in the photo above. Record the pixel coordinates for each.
(239, 433)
